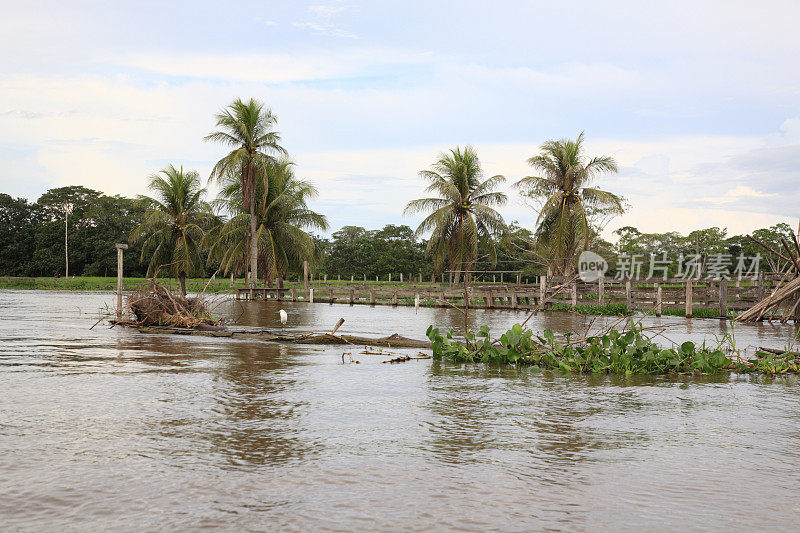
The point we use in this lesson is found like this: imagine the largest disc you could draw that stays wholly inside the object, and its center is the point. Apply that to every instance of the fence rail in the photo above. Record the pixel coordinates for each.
(650, 295)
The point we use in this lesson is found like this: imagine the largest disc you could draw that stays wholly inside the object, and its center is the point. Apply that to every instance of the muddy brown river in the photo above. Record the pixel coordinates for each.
(110, 429)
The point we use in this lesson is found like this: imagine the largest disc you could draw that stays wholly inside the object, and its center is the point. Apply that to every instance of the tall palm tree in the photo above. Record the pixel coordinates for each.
(281, 214)
(174, 223)
(568, 200)
(249, 129)
(461, 215)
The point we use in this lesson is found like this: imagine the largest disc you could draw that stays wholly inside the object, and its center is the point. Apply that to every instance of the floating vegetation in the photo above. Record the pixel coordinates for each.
(614, 351)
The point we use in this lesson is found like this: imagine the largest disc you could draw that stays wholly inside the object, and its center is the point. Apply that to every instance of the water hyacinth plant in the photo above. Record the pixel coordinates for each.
(614, 352)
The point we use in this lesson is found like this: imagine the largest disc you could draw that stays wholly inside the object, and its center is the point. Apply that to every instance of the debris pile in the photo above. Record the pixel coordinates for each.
(782, 304)
(155, 305)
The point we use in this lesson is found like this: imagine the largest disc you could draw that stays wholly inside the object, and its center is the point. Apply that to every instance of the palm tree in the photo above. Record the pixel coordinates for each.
(248, 128)
(461, 215)
(281, 214)
(568, 202)
(174, 223)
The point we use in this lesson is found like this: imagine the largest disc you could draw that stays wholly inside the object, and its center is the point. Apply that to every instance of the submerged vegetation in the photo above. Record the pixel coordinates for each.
(627, 351)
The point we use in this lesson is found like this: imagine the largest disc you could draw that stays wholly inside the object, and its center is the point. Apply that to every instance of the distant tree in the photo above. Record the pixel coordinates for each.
(18, 223)
(175, 223)
(568, 202)
(772, 236)
(462, 215)
(249, 130)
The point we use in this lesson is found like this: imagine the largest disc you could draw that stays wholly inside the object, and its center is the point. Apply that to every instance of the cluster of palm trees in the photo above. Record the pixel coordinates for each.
(265, 207)
(462, 217)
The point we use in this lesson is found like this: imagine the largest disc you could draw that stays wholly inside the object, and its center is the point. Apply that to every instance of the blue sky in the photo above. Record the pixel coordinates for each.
(698, 101)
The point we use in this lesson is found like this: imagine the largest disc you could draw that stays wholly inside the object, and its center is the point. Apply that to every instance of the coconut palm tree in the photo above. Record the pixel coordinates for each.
(174, 223)
(249, 129)
(281, 215)
(568, 201)
(461, 215)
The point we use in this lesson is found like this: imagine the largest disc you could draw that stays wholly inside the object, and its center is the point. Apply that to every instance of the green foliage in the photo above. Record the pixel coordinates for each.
(32, 234)
(355, 251)
(248, 128)
(582, 309)
(281, 214)
(461, 217)
(175, 223)
(568, 202)
(615, 352)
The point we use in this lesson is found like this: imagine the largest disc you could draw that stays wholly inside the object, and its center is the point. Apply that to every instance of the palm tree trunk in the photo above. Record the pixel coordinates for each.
(182, 278)
(253, 244)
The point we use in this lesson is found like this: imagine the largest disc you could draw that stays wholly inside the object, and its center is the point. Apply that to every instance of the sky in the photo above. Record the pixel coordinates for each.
(699, 101)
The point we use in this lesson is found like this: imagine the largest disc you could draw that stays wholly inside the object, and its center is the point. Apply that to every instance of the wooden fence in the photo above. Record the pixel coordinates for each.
(646, 295)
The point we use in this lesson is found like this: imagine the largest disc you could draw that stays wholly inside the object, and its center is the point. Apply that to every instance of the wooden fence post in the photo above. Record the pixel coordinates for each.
(330, 294)
(513, 300)
(305, 275)
(487, 299)
(394, 298)
(600, 290)
(294, 295)
(352, 296)
(659, 295)
(401, 277)
(542, 289)
(689, 298)
(628, 295)
(120, 247)
(372, 297)
(325, 280)
(723, 297)
(443, 300)
(311, 295)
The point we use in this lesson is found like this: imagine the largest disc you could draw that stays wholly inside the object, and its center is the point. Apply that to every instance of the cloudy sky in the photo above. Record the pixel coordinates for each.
(699, 102)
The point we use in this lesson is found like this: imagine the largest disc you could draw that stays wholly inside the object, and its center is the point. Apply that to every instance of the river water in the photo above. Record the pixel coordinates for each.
(109, 429)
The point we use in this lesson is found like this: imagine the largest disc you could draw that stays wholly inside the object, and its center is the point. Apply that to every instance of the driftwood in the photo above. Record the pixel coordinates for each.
(784, 301)
(392, 341)
(777, 352)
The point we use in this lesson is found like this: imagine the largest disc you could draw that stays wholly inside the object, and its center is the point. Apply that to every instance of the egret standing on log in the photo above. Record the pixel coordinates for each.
(284, 317)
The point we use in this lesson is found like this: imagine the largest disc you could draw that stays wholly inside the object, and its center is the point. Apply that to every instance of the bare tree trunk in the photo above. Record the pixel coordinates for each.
(182, 278)
(253, 243)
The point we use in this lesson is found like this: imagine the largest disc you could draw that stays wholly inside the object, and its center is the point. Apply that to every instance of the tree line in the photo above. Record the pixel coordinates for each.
(261, 226)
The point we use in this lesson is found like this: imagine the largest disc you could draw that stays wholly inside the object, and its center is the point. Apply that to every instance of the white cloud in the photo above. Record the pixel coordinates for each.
(740, 192)
(324, 15)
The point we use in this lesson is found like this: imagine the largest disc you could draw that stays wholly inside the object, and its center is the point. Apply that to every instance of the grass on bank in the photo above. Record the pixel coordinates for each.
(612, 352)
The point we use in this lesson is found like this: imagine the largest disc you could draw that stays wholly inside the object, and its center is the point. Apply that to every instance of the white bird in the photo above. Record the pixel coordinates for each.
(284, 317)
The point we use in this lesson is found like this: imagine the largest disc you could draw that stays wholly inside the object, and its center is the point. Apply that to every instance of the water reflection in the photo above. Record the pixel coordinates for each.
(259, 421)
